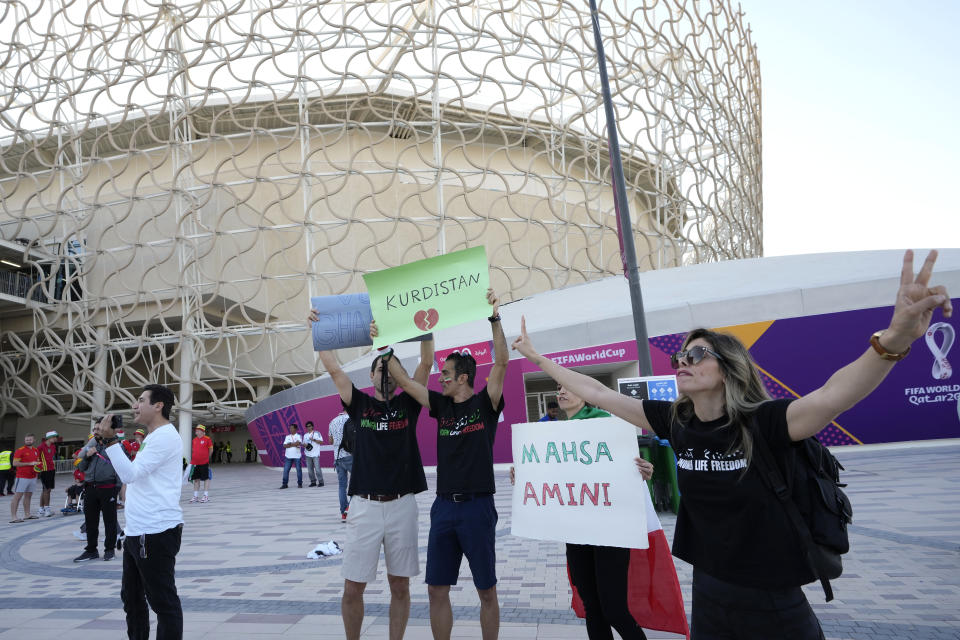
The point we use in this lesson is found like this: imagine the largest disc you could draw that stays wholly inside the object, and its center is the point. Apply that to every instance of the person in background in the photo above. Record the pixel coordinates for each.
(291, 456)
(553, 412)
(48, 453)
(24, 460)
(311, 445)
(249, 450)
(100, 490)
(6, 473)
(74, 491)
(342, 461)
(228, 449)
(200, 451)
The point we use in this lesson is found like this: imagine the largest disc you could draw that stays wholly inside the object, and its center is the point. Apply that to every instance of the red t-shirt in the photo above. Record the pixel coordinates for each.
(27, 454)
(201, 450)
(49, 452)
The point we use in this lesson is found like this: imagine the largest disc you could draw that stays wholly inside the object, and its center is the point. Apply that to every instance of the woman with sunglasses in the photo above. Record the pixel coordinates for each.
(748, 566)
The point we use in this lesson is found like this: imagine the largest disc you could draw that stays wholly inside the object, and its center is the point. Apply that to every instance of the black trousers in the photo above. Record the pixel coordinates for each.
(149, 577)
(725, 611)
(600, 576)
(7, 476)
(97, 501)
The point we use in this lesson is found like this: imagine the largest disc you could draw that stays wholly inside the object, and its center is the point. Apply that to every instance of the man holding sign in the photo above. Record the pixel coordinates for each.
(463, 518)
(387, 473)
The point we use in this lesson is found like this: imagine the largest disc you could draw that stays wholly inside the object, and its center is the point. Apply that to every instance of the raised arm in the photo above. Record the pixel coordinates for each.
(408, 384)
(422, 373)
(329, 359)
(501, 356)
(912, 312)
(592, 391)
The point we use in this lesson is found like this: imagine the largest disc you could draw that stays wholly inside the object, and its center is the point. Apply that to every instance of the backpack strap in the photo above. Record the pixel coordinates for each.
(767, 466)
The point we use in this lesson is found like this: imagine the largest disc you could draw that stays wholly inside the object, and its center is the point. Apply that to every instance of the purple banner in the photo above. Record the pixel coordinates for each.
(919, 400)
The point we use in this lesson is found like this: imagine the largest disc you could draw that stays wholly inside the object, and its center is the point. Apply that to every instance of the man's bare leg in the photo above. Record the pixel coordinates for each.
(489, 613)
(14, 505)
(441, 613)
(351, 608)
(399, 605)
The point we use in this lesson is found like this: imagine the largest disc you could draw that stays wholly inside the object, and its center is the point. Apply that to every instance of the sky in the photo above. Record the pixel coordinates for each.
(860, 134)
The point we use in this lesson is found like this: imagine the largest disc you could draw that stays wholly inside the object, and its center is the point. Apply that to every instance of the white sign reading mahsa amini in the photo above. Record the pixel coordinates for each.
(576, 481)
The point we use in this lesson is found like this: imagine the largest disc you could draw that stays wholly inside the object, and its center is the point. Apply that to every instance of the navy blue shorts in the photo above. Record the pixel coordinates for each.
(460, 529)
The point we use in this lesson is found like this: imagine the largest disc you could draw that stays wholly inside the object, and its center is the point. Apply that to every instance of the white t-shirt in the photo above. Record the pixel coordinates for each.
(292, 452)
(317, 440)
(154, 479)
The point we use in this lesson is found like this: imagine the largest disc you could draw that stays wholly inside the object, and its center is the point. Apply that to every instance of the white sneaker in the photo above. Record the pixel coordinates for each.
(49, 512)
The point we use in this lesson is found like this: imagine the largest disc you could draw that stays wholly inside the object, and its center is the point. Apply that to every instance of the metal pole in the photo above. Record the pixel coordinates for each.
(624, 227)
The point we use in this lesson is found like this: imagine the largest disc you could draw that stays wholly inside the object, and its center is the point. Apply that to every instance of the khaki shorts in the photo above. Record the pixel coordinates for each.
(391, 525)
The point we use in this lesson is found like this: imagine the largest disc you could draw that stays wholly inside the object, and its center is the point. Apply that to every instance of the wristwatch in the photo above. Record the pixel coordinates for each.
(886, 355)
(495, 318)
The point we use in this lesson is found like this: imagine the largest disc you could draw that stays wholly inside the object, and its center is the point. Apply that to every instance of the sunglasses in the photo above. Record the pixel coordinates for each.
(692, 356)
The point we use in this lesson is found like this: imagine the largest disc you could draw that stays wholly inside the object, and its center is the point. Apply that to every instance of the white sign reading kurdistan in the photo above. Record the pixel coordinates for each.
(576, 481)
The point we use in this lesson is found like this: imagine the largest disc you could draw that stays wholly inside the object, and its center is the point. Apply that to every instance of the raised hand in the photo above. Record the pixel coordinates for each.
(313, 317)
(374, 331)
(522, 343)
(493, 301)
(915, 303)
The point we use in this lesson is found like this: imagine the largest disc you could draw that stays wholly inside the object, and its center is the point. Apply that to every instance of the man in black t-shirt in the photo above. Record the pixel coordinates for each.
(387, 473)
(463, 518)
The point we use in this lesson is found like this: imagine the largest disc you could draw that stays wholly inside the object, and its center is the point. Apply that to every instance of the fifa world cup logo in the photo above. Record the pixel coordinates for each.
(941, 366)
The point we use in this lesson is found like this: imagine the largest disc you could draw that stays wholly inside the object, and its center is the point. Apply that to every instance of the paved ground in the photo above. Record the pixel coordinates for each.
(243, 570)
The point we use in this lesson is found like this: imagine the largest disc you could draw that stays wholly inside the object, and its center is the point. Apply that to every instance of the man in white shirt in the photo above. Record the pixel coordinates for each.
(311, 450)
(291, 456)
(154, 520)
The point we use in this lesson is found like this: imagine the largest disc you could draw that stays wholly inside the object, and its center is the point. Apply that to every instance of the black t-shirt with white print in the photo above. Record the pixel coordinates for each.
(386, 456)
(730, 524)
(465, 434)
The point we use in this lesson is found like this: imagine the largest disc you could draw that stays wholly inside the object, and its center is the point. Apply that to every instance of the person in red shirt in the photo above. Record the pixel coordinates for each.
(48, 453)
(200, 459)
(24, 461)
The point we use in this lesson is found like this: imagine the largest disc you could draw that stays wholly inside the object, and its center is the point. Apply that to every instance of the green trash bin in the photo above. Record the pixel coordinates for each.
(663, 485)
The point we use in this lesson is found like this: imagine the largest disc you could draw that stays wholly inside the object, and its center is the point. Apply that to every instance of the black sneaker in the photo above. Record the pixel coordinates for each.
(108, 555)
(87, 556)
(283, 486)
(313, 484)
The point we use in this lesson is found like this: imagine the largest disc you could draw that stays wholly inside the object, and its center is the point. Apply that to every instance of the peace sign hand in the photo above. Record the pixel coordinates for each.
(915, 303)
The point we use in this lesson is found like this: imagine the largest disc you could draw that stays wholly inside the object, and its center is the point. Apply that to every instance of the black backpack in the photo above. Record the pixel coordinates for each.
(814, 501)
(349, 439)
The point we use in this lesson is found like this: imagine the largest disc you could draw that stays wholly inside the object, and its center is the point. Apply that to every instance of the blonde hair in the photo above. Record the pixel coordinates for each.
(743, 390)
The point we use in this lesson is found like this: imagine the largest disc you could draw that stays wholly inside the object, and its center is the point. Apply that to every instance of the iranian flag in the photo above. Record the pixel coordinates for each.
(653, 590)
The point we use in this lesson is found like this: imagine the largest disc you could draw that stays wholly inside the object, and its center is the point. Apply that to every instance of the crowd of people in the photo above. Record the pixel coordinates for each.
(748, 565)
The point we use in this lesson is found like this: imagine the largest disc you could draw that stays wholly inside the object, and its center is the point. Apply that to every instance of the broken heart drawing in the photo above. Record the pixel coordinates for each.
(426, 320)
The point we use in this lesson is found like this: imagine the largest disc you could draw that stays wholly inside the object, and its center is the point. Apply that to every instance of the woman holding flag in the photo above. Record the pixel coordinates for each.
(748, 564)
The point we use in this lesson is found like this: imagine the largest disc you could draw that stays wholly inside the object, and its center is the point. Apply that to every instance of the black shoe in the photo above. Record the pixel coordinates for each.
(108, 555)
(283, 486)
(300, 486)
(313, 484)
(86, 556)
(319, 484)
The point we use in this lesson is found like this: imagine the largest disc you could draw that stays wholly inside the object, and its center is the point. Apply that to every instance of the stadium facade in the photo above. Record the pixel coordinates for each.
(177, 179)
